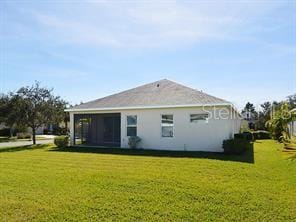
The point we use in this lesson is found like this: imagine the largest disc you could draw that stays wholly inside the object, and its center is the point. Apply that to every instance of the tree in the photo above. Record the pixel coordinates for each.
(3, 107)
(264, 115)
(249, 107)
(266, 108)
(8, 114)
(292, 101)
(278, 124)
(250, 114)
(36, 106)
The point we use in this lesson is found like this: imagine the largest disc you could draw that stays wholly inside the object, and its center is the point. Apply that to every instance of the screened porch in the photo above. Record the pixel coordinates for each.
(97, 129)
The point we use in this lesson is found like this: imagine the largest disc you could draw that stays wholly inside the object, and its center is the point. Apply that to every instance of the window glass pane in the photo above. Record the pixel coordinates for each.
(167, 119)
(196, 117)
(131, 120)
(167, 125)
(167, 131)
(131, 131)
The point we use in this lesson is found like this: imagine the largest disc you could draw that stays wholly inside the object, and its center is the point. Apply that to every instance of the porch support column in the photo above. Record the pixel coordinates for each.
(72, 137)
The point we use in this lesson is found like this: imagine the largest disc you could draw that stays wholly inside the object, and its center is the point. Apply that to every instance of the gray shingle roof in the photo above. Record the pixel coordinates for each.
(160, 93)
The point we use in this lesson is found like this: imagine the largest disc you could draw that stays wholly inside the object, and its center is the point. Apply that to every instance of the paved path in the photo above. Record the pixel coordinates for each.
(24, 143)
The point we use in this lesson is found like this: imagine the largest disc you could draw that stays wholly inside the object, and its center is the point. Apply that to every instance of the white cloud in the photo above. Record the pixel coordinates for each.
(148, 24)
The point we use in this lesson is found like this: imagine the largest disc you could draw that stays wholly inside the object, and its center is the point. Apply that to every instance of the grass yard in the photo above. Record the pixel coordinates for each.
(80, 184)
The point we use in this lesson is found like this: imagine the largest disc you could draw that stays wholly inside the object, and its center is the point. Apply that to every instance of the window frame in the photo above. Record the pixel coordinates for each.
(131, 125)
(161, 126)
(200, 120)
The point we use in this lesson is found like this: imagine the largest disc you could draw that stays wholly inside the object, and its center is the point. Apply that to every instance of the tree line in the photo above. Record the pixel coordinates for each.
(273, 116)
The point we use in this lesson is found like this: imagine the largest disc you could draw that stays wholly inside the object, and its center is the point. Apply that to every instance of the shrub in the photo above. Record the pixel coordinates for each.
(61, 141)
(248, 136)
(133, 141)
(261, 135)
(60, 131)
(245, 135)
(5, 132)
(235, 146)
(23, 136)
(239, 136)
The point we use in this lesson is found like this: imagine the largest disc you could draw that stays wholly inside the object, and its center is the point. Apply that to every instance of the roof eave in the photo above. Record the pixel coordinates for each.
(146, 107)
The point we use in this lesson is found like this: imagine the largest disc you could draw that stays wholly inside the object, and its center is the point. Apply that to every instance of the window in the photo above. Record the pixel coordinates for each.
(131, 123)
(167, 125)
(194, 118)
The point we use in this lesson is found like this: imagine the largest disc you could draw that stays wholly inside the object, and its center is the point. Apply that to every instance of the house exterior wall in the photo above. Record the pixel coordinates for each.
(200, 136)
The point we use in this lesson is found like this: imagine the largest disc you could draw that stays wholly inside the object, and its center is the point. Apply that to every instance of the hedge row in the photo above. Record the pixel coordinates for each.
(235, 146)
(252, 136)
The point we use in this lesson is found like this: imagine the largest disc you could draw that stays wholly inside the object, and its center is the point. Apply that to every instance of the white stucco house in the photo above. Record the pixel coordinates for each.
(164, 114)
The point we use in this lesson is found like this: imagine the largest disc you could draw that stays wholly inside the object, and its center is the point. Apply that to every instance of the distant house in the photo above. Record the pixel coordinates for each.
(49, 128)
(164, 114)
(45, 129)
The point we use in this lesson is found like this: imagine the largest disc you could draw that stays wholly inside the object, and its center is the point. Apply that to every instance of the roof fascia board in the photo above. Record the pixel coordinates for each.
(146, 107)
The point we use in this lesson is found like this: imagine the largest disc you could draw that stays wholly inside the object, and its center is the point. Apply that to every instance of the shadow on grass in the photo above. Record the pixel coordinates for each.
(291, 156)
(21, 148)
(247, 157)
(290, 150)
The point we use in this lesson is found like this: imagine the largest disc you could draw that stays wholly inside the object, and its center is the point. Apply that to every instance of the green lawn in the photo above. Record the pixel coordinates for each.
(83, 184)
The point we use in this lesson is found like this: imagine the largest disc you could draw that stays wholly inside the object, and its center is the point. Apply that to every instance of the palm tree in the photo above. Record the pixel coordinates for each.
(278, 124)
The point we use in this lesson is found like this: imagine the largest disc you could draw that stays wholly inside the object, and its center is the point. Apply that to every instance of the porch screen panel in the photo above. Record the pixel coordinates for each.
(82, 124)
(97, 129)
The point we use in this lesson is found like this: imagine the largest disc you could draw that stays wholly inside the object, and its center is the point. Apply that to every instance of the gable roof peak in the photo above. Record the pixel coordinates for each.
(161, 93)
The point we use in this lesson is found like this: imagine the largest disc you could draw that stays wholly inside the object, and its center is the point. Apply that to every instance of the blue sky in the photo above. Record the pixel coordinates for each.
(237, 51)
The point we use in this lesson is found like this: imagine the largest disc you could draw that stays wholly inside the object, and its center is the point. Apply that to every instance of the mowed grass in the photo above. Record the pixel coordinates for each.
(43, 184)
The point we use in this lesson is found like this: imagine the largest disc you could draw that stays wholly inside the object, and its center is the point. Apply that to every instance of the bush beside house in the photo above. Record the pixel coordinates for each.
(243, 141)
(235, 146)
(245, 135)
(253, 135)
(261, 135)
(133, 141)
(61, 141)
